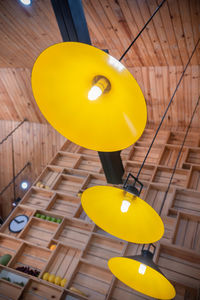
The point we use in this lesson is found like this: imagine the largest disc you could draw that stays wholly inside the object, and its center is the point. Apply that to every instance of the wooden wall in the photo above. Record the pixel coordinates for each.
(32, 142)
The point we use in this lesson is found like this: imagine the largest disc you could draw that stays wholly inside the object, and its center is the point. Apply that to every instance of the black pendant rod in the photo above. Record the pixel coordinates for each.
(4, 139)
(175, 165)
(145, 25)
(168, 106)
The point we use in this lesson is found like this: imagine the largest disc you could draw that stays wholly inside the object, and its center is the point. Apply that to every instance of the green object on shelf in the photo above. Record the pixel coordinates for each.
(53, 219)
(59, 221)
(48, 218)
(38, 215)
(4, 260)
(43, 217)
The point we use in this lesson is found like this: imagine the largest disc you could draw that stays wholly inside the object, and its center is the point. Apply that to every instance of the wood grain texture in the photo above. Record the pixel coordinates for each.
(32, 142)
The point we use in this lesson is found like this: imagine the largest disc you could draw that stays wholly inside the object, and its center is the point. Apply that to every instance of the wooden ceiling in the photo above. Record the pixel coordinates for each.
(156, 59)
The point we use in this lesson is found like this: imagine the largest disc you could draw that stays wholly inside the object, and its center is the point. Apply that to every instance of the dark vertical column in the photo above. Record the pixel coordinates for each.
(73, 27)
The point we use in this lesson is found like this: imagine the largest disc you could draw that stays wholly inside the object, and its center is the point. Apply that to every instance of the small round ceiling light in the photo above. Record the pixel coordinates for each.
(89, 96)
(24, 185)
(26, 2)
(142, 274)
(122, 213)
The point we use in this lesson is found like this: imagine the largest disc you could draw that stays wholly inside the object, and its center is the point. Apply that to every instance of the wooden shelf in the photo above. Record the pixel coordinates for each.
(82, 248)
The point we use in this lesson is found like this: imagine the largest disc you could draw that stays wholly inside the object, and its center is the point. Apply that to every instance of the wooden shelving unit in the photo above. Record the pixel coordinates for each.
(81, 249)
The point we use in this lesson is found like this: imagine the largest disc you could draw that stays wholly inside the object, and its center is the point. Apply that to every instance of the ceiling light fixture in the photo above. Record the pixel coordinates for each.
(122, 213)
(89, 97)
(26, 2)
(24, 185)
(142, 274)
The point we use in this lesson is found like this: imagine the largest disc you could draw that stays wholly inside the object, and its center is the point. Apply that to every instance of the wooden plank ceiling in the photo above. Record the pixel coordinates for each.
(156, 60)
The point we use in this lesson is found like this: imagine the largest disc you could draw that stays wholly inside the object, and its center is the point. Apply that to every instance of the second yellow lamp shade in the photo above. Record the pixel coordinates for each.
(122, 214)
(89, 96)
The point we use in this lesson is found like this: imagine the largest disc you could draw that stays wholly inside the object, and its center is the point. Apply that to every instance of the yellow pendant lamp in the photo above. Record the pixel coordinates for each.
(89, 96)
(122, 213)
(142, 274)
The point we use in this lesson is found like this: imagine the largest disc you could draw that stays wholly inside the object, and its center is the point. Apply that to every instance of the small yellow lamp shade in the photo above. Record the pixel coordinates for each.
(122, 214)
(89, 96)
(141, 277)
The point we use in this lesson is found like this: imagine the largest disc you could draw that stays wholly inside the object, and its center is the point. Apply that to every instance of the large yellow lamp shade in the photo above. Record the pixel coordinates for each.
(89, 96)
(122, 214)
(142, 275)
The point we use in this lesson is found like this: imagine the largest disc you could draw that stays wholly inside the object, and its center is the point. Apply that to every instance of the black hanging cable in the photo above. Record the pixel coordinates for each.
(175, 165)
(145, 25)
(5, 188)
(176, 162)
(4, 139)
(163, 117)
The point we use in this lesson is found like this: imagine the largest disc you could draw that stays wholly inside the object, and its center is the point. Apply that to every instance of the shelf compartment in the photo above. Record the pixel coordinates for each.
(146, 173)
(162, 175)
(93, 281)
(31, 256)
(9, 245)
(186, 201)
(9, 290)
(89, 164)
(193, 157)
(40, 291)
(187, 232)
(19, 210)
(37, 198)
(139, 153)
(101, 249)
(68, 184)
(93, 180)
(194, 181)
(63, 261)
(179, 265)
(49, 176)
(39, 232)
(74, 233)
(170, 155)
(70, 147)
(176, 138)
(148, 135)
(64, 205)
(155, 196)
(65, 160)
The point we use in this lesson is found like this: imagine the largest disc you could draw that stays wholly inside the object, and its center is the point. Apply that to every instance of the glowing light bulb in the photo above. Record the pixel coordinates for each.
(94, 93)
(26, 2)
(125, 206)
(142, 269)
(24, 185)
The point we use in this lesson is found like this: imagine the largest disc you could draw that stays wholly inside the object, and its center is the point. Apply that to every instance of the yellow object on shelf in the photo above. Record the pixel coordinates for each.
(51, 278)
(52, 247)
(89, 96)
(63, 282)
(122, 214)
(73, 289)
(57, 280)
(45, 276)
(142, 278)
